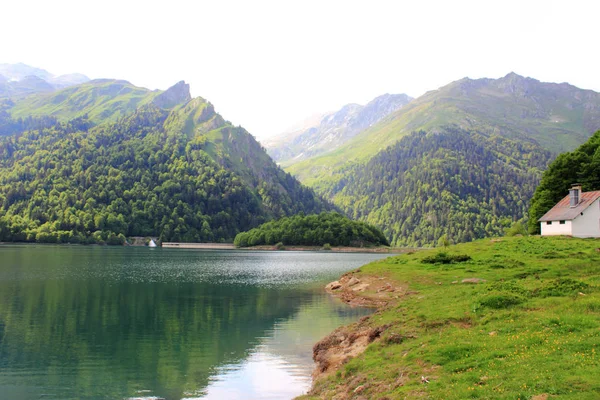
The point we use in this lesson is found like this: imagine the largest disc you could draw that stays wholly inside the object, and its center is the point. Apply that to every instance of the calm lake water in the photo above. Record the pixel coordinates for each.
(90, 322)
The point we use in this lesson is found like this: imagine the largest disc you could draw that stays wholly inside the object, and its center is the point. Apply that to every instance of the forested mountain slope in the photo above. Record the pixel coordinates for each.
(394, 175)
(458, 183)
(172, 167)
(333, 130)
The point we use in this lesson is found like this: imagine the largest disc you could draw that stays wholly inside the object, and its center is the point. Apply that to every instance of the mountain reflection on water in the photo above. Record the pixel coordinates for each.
(98, 322)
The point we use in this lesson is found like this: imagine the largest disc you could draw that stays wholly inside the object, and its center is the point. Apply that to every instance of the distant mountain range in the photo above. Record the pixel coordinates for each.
(21, 80)
(332, 130)
(103, 160)
(463, 160)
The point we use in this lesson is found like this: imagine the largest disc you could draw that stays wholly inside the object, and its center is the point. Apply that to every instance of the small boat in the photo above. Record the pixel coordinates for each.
(151, 244)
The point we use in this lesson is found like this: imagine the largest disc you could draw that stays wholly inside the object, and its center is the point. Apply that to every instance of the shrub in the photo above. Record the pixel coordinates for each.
(499, 300)
(509, 287)
(280, 246)
(562, 287)
(326, 246)
(517, 228)
(445, 258)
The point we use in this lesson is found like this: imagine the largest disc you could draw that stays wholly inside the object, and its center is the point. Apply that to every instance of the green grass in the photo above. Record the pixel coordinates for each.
(532, 328)
(101, 100)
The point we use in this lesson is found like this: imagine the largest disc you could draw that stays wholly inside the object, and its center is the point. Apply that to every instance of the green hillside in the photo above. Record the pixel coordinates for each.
(100, 100)
(519, 121)
(558, 117)
(511, 318)
(171, 168)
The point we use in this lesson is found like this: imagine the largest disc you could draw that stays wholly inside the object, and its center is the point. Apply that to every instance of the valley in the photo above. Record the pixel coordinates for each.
(464, 169)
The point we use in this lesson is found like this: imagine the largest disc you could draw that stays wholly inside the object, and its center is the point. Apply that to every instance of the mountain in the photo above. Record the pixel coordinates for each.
(103, 160)
(21, 80)
(463, 160)
(18, 71)
(283, 139)
(332, 130)
(100, 99)
(68, 80)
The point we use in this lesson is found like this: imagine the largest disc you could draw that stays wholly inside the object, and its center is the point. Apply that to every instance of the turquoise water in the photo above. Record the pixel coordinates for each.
(91, 322)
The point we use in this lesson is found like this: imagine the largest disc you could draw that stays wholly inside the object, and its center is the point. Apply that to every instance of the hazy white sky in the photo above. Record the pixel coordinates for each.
(268, 64)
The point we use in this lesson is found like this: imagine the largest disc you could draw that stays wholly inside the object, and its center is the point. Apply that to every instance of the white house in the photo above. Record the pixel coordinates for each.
(578, 215)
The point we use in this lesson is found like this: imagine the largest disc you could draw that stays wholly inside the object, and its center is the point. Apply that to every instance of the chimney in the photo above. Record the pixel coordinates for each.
(574, 194)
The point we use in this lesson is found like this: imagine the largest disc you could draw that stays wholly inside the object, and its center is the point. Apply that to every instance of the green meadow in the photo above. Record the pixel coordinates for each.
(530, 327)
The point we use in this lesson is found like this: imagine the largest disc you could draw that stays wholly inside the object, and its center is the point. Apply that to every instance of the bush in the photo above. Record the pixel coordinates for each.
(562, 287)
(280, 246)
(499, 300)
(445, 258)
(516, 228)
(326, 246)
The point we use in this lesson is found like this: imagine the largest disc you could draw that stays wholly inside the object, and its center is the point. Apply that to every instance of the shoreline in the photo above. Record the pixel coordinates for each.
(231, 246)
(340, 249)
(350, 341)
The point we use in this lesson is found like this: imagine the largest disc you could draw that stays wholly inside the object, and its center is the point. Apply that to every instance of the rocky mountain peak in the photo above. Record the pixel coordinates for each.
(516, 84)
(176, 94)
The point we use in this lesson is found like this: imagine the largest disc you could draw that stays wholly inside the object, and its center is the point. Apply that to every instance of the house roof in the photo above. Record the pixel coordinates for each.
(562, 210)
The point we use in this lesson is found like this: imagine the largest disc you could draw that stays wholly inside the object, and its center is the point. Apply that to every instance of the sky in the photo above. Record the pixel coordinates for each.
(266, 65)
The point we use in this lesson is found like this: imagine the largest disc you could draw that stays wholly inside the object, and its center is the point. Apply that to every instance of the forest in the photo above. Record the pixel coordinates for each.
(453, 182)
(313, 230)
(582, 165)
(72, 182)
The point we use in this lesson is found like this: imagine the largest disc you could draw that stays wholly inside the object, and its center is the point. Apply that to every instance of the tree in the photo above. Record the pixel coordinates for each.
(579, 166)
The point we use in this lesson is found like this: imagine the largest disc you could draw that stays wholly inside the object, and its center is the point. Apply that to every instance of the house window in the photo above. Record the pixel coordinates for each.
(562, 222)
(548, 222)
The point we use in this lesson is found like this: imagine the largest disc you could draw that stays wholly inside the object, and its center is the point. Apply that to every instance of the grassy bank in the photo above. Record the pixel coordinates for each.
(525, 324)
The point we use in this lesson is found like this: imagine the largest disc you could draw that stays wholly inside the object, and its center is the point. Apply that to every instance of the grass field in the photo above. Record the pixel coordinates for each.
(530, 330)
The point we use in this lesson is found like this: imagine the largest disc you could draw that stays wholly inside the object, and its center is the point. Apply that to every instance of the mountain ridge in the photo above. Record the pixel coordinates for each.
(333, 129)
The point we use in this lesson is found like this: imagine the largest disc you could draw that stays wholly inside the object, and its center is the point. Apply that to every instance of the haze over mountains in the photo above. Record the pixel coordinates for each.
(21, 79)
(332, 130)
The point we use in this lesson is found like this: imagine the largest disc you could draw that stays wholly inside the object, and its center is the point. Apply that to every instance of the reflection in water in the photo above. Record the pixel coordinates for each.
(280, 367)
(97, 322)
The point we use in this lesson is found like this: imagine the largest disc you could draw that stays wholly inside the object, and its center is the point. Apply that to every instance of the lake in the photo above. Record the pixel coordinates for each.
(94, 322)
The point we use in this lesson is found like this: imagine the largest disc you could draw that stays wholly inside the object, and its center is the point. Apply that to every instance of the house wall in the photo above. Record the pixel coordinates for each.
(556, 228)
(588, 224)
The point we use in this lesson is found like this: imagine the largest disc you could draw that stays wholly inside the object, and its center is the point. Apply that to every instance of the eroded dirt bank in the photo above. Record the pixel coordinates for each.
(349, 341)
